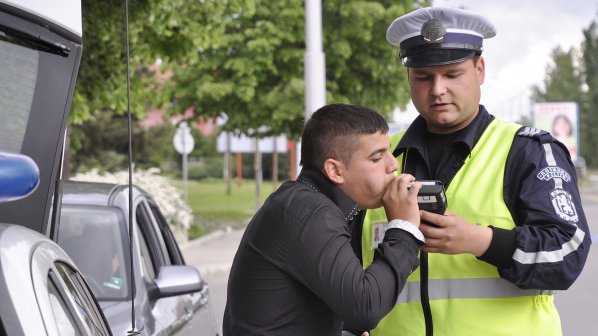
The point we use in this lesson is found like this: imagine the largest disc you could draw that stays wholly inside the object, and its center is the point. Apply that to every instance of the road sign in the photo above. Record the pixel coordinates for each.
(183, 141)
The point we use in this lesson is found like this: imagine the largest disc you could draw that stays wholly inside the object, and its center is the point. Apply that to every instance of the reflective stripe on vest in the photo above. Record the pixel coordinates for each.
(484, 288)
(467, 296)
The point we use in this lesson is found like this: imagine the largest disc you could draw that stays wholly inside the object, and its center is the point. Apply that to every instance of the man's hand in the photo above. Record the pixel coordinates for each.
(451, 234)
(400, 199)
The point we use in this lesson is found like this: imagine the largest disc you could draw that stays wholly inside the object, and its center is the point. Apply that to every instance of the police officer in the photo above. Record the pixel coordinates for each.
(514, 231)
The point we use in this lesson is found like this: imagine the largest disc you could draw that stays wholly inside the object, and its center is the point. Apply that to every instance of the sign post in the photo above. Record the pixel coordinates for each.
(183, 143)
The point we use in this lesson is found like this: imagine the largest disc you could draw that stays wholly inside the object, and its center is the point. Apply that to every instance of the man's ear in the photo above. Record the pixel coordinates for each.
(481, 70)
(333, 169)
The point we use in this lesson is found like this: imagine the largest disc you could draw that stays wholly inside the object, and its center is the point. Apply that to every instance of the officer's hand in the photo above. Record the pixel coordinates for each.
(400, 199)
(451, 234)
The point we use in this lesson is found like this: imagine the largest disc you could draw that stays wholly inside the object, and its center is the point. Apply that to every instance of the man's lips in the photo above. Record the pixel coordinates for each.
(439, 106)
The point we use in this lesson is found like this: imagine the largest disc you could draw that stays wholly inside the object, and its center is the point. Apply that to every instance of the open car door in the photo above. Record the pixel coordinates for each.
(40, 52)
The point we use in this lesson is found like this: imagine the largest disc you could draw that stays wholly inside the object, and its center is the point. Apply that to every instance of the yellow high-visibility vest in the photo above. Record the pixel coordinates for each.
(467, 296)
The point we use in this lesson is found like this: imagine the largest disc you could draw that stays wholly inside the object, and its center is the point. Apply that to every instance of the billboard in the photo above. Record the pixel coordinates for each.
(561, 120)
(245, 144)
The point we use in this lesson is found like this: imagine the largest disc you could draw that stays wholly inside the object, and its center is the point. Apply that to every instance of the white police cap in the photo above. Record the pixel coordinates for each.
(436, 36)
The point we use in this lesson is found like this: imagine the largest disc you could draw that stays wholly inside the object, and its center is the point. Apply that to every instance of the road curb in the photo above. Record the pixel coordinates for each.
(206, 238)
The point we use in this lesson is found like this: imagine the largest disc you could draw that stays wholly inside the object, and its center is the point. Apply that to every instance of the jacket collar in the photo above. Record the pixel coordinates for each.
(317, 181)
(415, 136)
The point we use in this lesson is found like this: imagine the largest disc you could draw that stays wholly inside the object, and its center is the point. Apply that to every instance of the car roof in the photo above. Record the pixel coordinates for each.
(97, 193)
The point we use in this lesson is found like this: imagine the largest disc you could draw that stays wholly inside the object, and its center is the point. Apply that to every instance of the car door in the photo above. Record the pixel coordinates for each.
(67, 305)
(170, 314)
(202, 319)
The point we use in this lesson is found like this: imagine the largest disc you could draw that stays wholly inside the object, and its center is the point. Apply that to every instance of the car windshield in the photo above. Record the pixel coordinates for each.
(94, 238)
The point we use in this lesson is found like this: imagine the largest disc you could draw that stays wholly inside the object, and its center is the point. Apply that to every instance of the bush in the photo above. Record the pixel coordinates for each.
(177, 212)
(210, 167)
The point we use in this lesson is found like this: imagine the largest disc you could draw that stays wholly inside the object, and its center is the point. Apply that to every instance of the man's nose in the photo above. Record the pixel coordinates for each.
(438, 86)
(392, 163)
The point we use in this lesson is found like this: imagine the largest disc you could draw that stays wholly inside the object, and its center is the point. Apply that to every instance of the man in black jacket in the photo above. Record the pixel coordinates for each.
(295, 272)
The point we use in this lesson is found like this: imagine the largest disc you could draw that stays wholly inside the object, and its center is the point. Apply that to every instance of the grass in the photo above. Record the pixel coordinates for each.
(214, 209)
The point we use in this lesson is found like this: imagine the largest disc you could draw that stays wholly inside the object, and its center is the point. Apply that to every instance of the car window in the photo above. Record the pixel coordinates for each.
(153, 239)
(86, 306)
(146, 257)
(172, 248)
(96, 239)
(64, 320)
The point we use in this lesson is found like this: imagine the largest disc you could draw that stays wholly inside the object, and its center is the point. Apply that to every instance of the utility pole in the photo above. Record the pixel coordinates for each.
(315, 65)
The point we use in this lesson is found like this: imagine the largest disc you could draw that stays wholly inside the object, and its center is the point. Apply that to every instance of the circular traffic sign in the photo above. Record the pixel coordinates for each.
(183, 141)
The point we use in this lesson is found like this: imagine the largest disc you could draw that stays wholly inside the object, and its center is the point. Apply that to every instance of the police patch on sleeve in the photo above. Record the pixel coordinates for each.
(551, 172)
(563, 205)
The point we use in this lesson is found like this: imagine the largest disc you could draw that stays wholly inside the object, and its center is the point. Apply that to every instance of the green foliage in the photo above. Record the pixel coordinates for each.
(563, 80)
(102, 143)
(574, 77)
(243, 58)
(254, 72)
(208, 199)
(210, 167)
(154, 147)
(588, 119)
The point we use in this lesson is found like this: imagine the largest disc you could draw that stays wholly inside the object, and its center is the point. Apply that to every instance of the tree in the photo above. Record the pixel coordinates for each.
(563, 81)
(165, 29)
(243, 58)
(254, 74)
(588, 119)
(158, 29)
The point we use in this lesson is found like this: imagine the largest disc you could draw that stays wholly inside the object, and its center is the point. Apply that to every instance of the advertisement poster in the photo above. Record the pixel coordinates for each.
(561, 120)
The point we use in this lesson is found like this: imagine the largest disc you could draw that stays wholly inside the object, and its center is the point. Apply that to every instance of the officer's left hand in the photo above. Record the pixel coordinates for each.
(451, 234)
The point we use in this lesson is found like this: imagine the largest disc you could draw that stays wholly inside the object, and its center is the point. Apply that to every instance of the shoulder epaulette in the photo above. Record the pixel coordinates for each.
(535, 133)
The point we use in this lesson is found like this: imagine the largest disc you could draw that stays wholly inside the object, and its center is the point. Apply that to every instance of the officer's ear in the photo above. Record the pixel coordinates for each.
(333, 169)
(480, 66)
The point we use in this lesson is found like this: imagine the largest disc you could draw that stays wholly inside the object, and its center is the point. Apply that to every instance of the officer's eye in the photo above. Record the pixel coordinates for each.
(454, 75)
(422, 78)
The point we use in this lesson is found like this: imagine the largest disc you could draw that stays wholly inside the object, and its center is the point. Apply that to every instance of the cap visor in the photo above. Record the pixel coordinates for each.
(437, 57)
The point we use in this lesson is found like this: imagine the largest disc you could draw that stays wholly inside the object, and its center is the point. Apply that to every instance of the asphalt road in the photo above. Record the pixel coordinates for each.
(213, 255)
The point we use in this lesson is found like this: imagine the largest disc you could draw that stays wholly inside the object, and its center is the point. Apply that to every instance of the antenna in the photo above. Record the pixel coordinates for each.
(133, 330)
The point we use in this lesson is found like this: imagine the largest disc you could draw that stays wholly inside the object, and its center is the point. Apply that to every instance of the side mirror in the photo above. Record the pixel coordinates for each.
(19, 176)
(176, 280)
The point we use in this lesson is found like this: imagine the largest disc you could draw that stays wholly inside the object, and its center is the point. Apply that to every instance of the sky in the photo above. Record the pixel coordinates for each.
(516, 58)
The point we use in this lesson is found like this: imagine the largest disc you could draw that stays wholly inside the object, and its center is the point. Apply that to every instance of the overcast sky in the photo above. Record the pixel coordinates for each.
(516, 58)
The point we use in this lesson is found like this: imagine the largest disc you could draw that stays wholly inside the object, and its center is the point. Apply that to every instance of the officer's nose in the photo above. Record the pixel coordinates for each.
(438, 87)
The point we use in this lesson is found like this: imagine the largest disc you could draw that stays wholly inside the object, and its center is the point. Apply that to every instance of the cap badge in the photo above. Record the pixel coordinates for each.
(433, 31)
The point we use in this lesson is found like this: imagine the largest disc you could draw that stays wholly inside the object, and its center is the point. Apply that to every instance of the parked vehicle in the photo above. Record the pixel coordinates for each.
(170, 297)
(41, 290)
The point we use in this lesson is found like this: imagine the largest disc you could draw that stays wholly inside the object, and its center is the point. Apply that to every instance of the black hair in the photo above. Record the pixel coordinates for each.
(333, 131)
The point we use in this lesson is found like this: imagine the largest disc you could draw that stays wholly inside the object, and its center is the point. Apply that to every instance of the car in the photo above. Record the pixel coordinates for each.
(170, 297)
(41, 289)
(43, 292)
